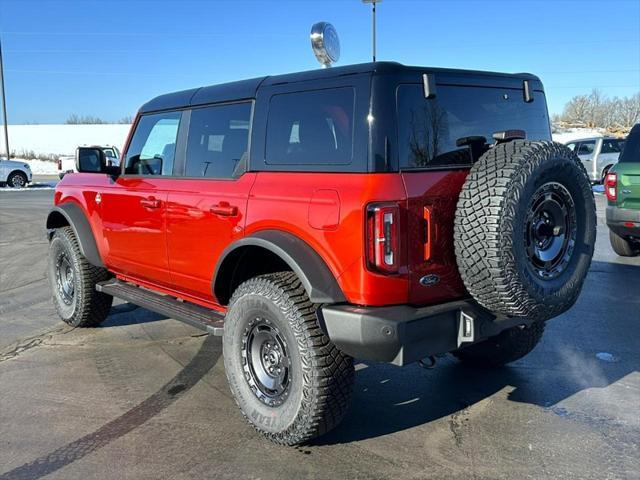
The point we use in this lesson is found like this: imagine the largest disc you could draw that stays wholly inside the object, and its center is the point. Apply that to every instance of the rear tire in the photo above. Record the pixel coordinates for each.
(623, 247)
(73, 282)
(509, 346)
(525, 229)
(290, 382)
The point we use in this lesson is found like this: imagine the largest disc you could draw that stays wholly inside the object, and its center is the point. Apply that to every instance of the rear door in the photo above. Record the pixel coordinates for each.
(586, 151)
(134, 205)
(207, 202)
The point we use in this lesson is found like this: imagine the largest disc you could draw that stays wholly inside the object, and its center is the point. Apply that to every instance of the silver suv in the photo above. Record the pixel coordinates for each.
(15, 174)
(597, 154)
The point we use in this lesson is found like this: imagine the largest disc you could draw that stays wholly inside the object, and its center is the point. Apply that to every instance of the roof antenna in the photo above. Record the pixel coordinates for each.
(373, 10)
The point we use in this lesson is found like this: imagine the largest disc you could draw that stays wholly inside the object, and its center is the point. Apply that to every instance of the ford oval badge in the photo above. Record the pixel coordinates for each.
(429, 280)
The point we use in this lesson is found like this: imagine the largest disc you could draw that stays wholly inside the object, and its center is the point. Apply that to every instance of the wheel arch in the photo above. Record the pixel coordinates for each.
(70, 214)
(268, 251)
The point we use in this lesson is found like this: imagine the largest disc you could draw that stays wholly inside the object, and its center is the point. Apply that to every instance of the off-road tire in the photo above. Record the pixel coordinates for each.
(15, 175)
(321, 377)
(87, 307)
(623, 247)
(491, 225)
(506, 347)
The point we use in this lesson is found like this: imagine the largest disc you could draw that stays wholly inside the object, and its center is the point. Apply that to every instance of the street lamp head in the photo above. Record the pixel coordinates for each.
(371, 1)
(325, 43)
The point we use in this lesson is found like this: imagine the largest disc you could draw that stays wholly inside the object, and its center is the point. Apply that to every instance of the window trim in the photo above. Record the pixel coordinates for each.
(311, 166)
(180, 159)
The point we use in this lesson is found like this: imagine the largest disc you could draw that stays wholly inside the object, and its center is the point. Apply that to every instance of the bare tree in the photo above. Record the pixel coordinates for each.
(629, 111)
(75, 119)
(576, 110)
(597, 110)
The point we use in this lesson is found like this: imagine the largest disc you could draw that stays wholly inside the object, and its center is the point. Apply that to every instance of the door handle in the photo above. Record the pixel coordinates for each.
(224, 209)
(150, 202)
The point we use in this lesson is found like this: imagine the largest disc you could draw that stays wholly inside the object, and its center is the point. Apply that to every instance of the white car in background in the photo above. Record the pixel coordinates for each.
(67, 163)
(14, 174)
(598, 154)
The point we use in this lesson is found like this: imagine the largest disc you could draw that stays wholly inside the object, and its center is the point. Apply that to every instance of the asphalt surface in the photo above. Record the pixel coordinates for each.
(146, 397)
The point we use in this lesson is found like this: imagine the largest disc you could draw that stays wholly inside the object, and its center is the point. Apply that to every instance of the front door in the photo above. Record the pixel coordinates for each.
(134, 207)
(206, 208)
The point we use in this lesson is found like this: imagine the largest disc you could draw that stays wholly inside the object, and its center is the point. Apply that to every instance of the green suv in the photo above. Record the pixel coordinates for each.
(622, 187)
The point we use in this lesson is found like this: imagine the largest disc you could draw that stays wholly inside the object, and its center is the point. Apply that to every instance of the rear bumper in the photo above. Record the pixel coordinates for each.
(402, 334)
(624, 221)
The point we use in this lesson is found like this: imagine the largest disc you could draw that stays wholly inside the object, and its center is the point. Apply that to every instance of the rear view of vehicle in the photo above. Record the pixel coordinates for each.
(622, 187)
(377, 211)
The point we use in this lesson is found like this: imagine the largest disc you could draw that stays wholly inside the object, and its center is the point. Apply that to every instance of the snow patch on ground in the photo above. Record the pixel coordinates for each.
(40, 167)
(569, 134)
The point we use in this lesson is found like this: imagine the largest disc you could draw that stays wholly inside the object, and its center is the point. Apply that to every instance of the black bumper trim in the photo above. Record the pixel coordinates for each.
(617, 217)
(402, 334)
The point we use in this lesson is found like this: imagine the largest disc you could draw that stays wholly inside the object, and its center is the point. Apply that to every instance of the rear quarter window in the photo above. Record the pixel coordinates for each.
(431, 131)
(631, 151)
(311, 128)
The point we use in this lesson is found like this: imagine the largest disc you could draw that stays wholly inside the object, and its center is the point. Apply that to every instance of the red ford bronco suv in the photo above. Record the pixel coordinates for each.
(377, 211)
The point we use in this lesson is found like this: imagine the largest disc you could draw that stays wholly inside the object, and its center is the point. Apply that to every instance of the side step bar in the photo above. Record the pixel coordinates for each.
(194, 315)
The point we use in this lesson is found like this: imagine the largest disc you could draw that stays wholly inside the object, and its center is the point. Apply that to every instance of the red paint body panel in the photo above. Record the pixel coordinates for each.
(196, 236)
(439, 191)
(160, 232)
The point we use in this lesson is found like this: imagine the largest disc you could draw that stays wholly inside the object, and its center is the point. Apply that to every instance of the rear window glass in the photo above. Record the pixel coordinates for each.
(631, 151)
(311, 128)
(432, 133)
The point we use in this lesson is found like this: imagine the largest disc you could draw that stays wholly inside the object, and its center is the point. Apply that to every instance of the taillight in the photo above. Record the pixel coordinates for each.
(611, 186)
(383, 243)
(427, 233)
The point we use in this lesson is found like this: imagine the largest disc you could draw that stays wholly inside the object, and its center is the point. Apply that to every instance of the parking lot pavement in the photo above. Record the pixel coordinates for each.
(146, 397)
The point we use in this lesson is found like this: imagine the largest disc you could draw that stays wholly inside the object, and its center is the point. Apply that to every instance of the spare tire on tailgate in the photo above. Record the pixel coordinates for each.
(525, 229)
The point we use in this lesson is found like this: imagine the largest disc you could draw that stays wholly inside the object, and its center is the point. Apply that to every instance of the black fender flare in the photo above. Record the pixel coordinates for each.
(304, 261)
(78, 221)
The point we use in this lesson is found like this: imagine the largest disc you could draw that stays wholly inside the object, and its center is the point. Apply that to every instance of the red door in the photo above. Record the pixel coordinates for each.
(133, 219)
(203, 218)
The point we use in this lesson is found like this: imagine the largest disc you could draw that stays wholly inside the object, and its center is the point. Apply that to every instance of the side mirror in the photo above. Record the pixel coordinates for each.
(93, 160)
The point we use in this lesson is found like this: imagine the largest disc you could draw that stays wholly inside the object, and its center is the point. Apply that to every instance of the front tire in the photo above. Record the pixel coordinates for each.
(506, 347)
(73, 282)
(623, 247)
(17, 180)
(290, 382)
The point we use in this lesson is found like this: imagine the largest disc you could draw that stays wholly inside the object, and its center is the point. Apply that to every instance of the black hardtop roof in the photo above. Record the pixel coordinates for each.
(245, 89)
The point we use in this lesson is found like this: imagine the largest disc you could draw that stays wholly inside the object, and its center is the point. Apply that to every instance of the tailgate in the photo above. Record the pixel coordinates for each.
(433, 279)
(628, 185)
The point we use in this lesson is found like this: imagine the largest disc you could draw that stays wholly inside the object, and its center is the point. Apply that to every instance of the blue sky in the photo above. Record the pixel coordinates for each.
(106, 58)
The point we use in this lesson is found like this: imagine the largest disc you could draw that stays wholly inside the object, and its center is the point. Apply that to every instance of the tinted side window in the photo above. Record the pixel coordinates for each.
(311, 128)
(586, 148)
(153, 145)
(218, 140)
(457, 126)
(611, 146)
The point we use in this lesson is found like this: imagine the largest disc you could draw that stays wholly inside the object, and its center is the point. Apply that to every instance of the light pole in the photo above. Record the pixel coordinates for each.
(373, 11)
(4, 104)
